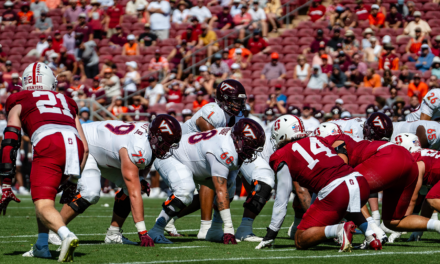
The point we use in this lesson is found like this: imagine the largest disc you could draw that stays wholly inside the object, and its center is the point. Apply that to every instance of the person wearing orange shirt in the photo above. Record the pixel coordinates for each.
(389, 60)
(116, 107)
(238, 50)
(131, 48)
(199, 102)
(376, 18)
(25, 16)
(414, 44)
(371, 79)
(418, 88)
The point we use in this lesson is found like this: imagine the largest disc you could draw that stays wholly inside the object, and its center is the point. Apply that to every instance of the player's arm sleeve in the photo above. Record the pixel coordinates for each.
(214, 116)
(427, 107)
(217, 169)
(284, 188)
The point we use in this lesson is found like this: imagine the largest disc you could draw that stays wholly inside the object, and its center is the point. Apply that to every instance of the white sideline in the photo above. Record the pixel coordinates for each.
(289, 257)
(14, 241)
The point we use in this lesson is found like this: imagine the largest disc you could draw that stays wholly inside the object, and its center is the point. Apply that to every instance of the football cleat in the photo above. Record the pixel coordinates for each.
(345, 236)
(68, 247)
(35, 252)
(415, 236)
(394, 235)
(54, 239)
(373, 243)
(292, 231)
(249, 238)
(113, 237)
(244, 233)
(171, 229)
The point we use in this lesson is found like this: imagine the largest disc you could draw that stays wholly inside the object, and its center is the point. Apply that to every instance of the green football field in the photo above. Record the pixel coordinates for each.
(18, 231)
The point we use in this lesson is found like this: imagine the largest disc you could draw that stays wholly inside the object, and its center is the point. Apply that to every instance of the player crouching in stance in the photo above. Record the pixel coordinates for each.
(312, 163)
(59, 149)
(211, 159)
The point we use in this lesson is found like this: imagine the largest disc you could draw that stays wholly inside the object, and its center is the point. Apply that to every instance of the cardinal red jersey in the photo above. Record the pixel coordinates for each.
(42, 108)
(432, 165)
(312, 163)
(358, 150)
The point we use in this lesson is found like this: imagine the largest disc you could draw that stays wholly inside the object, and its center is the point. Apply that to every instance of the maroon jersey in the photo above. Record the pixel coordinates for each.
(42, 108)
(432, 165)
(358, 150)
(312, 163)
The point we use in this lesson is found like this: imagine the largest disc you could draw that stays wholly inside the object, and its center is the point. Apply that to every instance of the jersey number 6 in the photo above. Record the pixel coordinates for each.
(120, 130)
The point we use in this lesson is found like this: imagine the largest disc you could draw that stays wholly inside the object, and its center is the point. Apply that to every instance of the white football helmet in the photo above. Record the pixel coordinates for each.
(38, 76)
(327, 129)
(287, 127)
(409, 141)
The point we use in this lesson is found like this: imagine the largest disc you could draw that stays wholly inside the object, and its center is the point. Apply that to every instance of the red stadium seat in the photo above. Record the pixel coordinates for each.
(261, 98)
(312, 99)
(293, 99)
(329, 99)
(305, 41)
(289, 33)
(246, 82)
(272, 83)
(189, 99)
(260, 58)
(277, 49)
(364, 91)
(260, 90)
(275, 41)
(289, 49)
(349, 98)
(168, 42)
(258, 66)
(352, 108)
(256, 74)
(366, 99)
(246, 74)
(259, 82)
(294, 91)
(290, 58)
(17, 51)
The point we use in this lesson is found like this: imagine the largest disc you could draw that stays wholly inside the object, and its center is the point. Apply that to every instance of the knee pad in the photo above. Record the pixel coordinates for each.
(374, 195)
(173, 205)
(79, 204)
(122, 206)
(258, 198)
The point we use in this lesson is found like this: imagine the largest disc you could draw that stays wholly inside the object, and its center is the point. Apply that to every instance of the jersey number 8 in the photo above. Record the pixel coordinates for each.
(196, 138)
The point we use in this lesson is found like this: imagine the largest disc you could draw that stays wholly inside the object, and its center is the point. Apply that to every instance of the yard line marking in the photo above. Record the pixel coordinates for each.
(182, 247)
(289, 257)
(14, 241)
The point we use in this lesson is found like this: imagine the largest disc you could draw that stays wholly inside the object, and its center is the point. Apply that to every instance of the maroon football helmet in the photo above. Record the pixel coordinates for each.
(249, 138)
(164, 134)
(231, 97)
(378, 127)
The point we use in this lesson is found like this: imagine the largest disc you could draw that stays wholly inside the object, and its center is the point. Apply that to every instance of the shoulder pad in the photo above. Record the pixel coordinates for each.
(214, 115)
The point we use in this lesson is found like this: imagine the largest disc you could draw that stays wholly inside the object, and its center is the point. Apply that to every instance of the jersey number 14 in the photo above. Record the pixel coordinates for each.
(316, 147)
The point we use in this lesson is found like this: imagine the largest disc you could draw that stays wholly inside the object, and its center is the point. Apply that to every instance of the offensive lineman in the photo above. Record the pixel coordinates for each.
(428, 132)
(59, 146)
(210, 159)
(429, 109)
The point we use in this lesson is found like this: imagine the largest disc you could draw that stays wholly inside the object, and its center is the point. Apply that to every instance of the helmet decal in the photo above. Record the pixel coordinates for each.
(165, 128)
(276, 126)
(398, 139)
(225, 86)
(248, 132)
(377, 122)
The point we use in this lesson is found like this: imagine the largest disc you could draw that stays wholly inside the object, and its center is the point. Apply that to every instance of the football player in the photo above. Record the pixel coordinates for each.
(428, 132)
(352, 126)
(429, 109)
(210, 159)
(59, 149)
(120, 152)
(312, 163)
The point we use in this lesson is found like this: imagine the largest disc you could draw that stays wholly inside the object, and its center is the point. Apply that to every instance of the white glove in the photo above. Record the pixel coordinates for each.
(263, 244)
(394, 237)
(416, 236)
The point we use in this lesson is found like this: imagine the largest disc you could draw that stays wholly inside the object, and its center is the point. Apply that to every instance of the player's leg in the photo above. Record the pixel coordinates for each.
(373, 201)
(206, 196)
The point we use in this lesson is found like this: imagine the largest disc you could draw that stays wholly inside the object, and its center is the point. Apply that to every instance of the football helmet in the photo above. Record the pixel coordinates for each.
(378, 127)
(164, 134)
(371, 108)
(249, 138)
(38, 76)
(293, 110)
(409, 141)
(327, 129)
(287, 127)
(231, 97)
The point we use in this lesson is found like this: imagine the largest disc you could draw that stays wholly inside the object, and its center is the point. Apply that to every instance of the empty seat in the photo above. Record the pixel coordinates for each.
(275, 82)
(260, 90)
(312, 99)
(352, 108)
(349, 98)
(259, 82)
(329, 99)
(293, 99)
(294, 91)
(366, 99)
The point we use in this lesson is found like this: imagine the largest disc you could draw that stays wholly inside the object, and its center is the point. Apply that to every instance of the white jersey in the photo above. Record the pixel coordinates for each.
(213, 114)
(267, 127)
(430, 106)
(194, 147)
(106, 138)
(432, 130)
(352, 127)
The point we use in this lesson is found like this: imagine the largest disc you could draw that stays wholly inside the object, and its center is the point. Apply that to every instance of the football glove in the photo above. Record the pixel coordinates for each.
(69, 192)
(7, 195)
(229, 238)
(415, 236)
(145, 187)
(146, 240)
(265, 243)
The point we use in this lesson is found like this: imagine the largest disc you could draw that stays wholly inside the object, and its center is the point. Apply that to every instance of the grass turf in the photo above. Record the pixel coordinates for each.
(18, 231)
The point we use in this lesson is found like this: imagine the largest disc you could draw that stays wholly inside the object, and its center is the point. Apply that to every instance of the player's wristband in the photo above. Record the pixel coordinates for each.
(227, 220)
(140, 226)
(270, 234)
(6, 183)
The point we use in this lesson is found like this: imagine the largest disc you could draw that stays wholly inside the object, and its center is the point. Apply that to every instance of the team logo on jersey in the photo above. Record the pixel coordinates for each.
(226, 86)
(248, 132)
(164, 127)
(377, 122)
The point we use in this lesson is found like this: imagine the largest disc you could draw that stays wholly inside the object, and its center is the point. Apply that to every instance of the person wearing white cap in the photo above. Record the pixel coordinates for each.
(339, 103)
(425, 59)
(130, 48)
(376, 18)
(132, 78)
(160, 18)
(436, 67)
(367, 34)
(410, 29)
(236, 72)
(9, 17)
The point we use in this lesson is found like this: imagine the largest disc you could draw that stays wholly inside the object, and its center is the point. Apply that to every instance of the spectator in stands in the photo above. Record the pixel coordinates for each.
(83, 28)
(111, 84)
(361, 66)
(302, 69)
(238, 51)
(142, 15)
(336, 112)
(344, 61)
(350, 45)
(415, 43)
(105, 3)
(356, 78)
(96, 19)
(273, 12)
(186, 114)
(96, 92)
(277, 100)
(242, 20)
(208, 37)
(258, 17)
(433, 82)
(75, 87)
(224, 20)
(116, 107)
(158, 63)
(42, 44)
(43, 23)
(318, 80)
(393, 96)
(332, 44)
(337, 78)
(362, 11)
(9, 17)
(402, 8)
(389, 60)
(139, 106)
(45, 55)
(53, 64)
(388, 79)
(25, 16)
(3, 58)
(181, 13)
(405, 77)
(273, 69)
(367, 34)
(190, 35)
(310, 123)
(393, 19)
(154, 93)
(199, 102)
(57, 40)
(318, 43)
(119, 39)
(63, 83)
(131, 7)
(72, 12)
(414, 102)
(236, 72)
(372, 79)
(226, 59)
(410, 29)
(435, 46)
(417, 87)
(160, 18)
(372, 53)
(177, 54)
(435, 67)
(219, 68)
(377, 19)
(316, 11)
(201, 12)
(325, 66)
(131, 48)
(147, 39)
(256, 44)
(205, 79)
(425, 59)
(331, 9)
(317, 59)
(68, 61)
(349, 19)
(114, 15)
(38, 7)
(174, 91)
(86, 53)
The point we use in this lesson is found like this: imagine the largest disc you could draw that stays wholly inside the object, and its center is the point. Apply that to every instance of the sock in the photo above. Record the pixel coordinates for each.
(63, 232)
(217, 217)
(163, 219)
(113, 228)
(369, 219)
(246, 221)
(42, 240)
(376, 216)
(297, 221)
(433, 225)
(205, 224)
(332, 231)
(434, 216)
